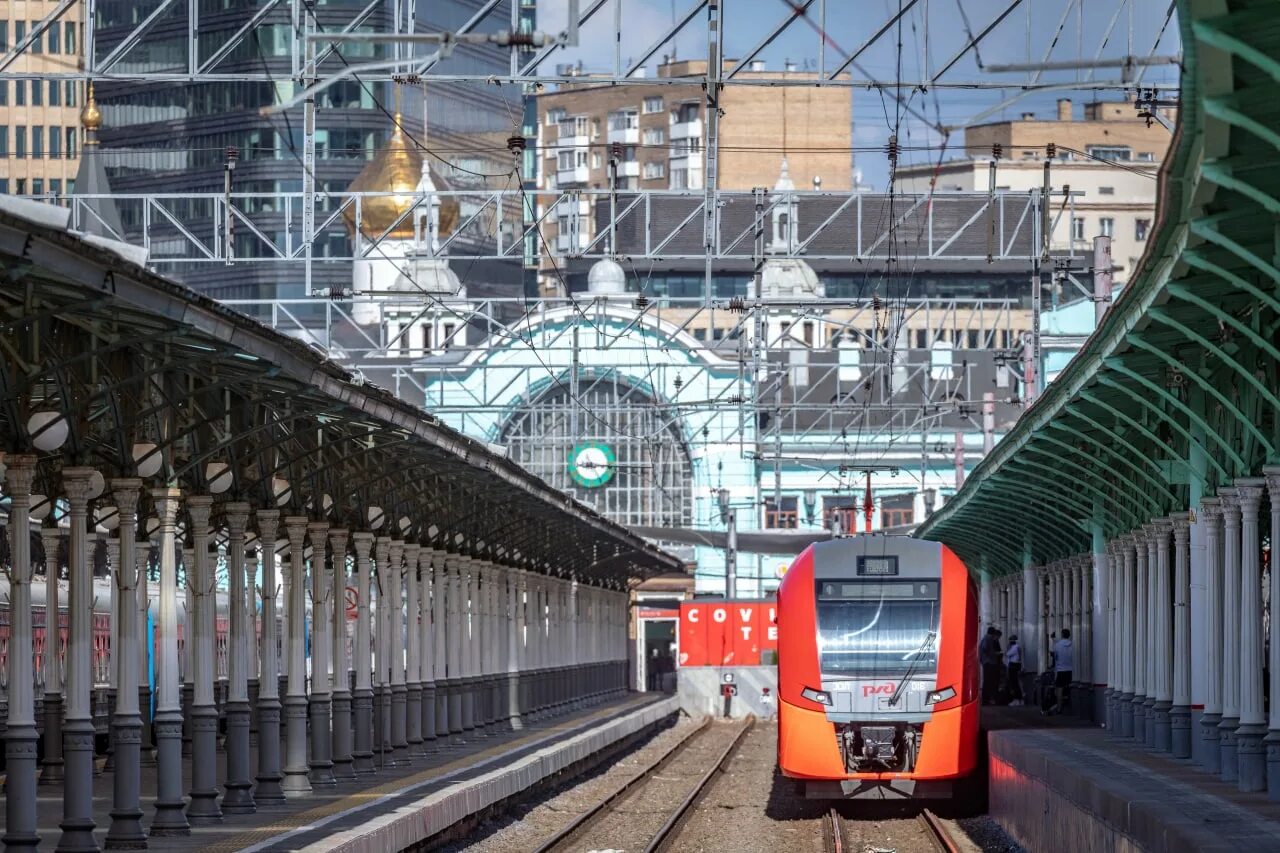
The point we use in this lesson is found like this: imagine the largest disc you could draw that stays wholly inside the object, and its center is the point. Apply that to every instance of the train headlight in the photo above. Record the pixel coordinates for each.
(822, 697)
(935, 696)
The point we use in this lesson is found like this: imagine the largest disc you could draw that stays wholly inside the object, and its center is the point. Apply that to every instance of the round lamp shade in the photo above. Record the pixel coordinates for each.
(376, 517)
(218, 477)
(108, 517)
(281, 489)
(97, 485)
(41, 506)
(147, 457)
(48, 430)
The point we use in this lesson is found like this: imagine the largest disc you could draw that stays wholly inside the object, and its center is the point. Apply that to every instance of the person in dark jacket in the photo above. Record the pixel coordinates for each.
(992, 659)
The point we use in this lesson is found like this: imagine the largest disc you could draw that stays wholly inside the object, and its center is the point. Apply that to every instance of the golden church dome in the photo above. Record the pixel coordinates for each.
(396, 168)
(90, 116)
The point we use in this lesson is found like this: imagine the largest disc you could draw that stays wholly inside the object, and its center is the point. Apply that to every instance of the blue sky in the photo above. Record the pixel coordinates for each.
(932, 32)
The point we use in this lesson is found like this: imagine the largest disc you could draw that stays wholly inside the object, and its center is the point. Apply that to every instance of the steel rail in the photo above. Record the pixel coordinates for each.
(560, 839)
(667, 833)
(938, 833)
(832, 833)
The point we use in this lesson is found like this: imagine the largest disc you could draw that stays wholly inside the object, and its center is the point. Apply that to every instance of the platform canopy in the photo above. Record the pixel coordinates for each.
(127, 359)
(1177, 392)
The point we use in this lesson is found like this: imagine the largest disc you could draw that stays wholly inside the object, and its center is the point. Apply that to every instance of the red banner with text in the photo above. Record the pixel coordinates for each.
(727, 633)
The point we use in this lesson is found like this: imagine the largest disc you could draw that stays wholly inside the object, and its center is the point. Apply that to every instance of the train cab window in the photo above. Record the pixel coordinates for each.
(877, 628)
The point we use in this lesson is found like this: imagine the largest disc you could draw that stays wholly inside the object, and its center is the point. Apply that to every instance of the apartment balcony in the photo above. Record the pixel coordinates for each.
(574, 175)
(687, 129)
(572, 136)
(629, 169)
(624, 135)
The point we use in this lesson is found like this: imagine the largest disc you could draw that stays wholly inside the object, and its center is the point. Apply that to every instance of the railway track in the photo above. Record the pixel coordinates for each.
(654, 794)
(905, 835)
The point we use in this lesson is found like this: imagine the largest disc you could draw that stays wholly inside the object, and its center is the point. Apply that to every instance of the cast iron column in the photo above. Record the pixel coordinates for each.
(1230, 770)
(1272, 740)
(1180, 715)
(362, 701)
(170, 818)
(268, 790)
(295, 782)
(203, 807)
(51, 769)
(21, 738)
(143, 606)
(1162, 648)
(78, 732)
(426, 650)
(1253, 718)
(1211, 719)
(382, 655)
(126, 831)
(341, 745)
(319, 704)
(238, 798)
(399, 691)
(413, 675)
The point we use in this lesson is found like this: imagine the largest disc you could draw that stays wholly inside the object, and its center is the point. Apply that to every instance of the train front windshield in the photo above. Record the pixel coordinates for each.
(877, 628)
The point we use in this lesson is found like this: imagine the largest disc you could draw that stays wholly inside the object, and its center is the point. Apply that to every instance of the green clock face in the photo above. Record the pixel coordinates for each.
(592, 465)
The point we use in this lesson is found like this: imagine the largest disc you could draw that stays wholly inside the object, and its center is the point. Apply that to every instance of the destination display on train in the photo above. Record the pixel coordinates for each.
(875, 590)
(878, 566)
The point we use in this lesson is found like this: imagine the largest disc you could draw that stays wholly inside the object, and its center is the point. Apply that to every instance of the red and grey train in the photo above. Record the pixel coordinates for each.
(878, 669)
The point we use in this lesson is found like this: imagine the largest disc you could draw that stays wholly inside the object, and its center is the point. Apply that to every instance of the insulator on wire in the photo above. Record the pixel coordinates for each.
(1051, 151)
(891, 150)
(997, 151)
(515, 144)
(737, 304)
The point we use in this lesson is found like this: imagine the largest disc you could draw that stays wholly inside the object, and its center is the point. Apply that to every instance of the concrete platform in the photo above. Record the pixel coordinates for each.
(425, 797)
(1074, 789)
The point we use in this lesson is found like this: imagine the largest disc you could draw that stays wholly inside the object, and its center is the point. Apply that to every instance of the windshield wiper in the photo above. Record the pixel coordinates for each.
(924, 647)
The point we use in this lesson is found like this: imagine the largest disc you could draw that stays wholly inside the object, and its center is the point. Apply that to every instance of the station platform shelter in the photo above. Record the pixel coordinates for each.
(279, 585)
(1136, 504)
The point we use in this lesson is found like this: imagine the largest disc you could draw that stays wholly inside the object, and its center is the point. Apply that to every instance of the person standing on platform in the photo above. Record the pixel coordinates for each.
(1013, 664)
(1063, 659)
(990, 658)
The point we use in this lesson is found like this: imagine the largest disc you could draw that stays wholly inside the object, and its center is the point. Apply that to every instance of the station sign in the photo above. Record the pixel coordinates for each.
(727, 633)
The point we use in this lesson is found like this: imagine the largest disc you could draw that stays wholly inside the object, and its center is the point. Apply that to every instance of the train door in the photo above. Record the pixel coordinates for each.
(656, 649)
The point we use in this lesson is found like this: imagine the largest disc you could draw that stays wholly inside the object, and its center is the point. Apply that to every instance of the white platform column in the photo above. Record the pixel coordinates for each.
(362, 710)
(1180, 714)
(296, 769)
(1210, 720)
(1252, 761)
(267, 789)
(1162, 645)
(1230, 768)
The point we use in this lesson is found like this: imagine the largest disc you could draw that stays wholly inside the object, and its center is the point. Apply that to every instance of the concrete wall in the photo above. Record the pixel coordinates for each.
(699, 691)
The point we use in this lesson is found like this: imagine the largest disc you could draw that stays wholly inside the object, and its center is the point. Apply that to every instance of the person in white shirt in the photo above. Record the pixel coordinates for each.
(1062, 663)
(1013, 664)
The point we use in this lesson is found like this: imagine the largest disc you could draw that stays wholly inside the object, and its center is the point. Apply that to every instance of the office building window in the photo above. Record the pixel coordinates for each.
(784, 515)
(37, 93)
(4, 93)
(55, 142)
(1146, 157)
(69, 38)
(19, 141)
(71, 186)
(1140, 229)
(36, 43)
(19, 93)
(71, 145)
(37, 186)
(53, 38)
(1077, 228)
(70, 93)
(897, 510)
(1118, 153)
(1107, 226)
(19, 32)
(4, 35)
(37, 142)
(55, 94)
(4, 140)
(22, 187)
(652, 105)
(55, 186)
(1106, 190)
(4, 186)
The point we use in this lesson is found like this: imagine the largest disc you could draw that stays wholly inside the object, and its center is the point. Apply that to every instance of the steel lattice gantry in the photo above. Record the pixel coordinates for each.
(169, 416)
(1140, 474)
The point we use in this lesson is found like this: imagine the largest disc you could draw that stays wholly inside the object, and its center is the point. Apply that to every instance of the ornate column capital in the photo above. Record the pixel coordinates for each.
(1181, 522)
(126, 491)
(1211, 508)
(295, 527)
(19, 474)
(199, 508)
(166, 503)
(237, 514)
(268, 526)
(362, 540)
(338, 541)
(1230, 505)
(319, 533)
(75, 484)
(1271, 475)
(1249, 495)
